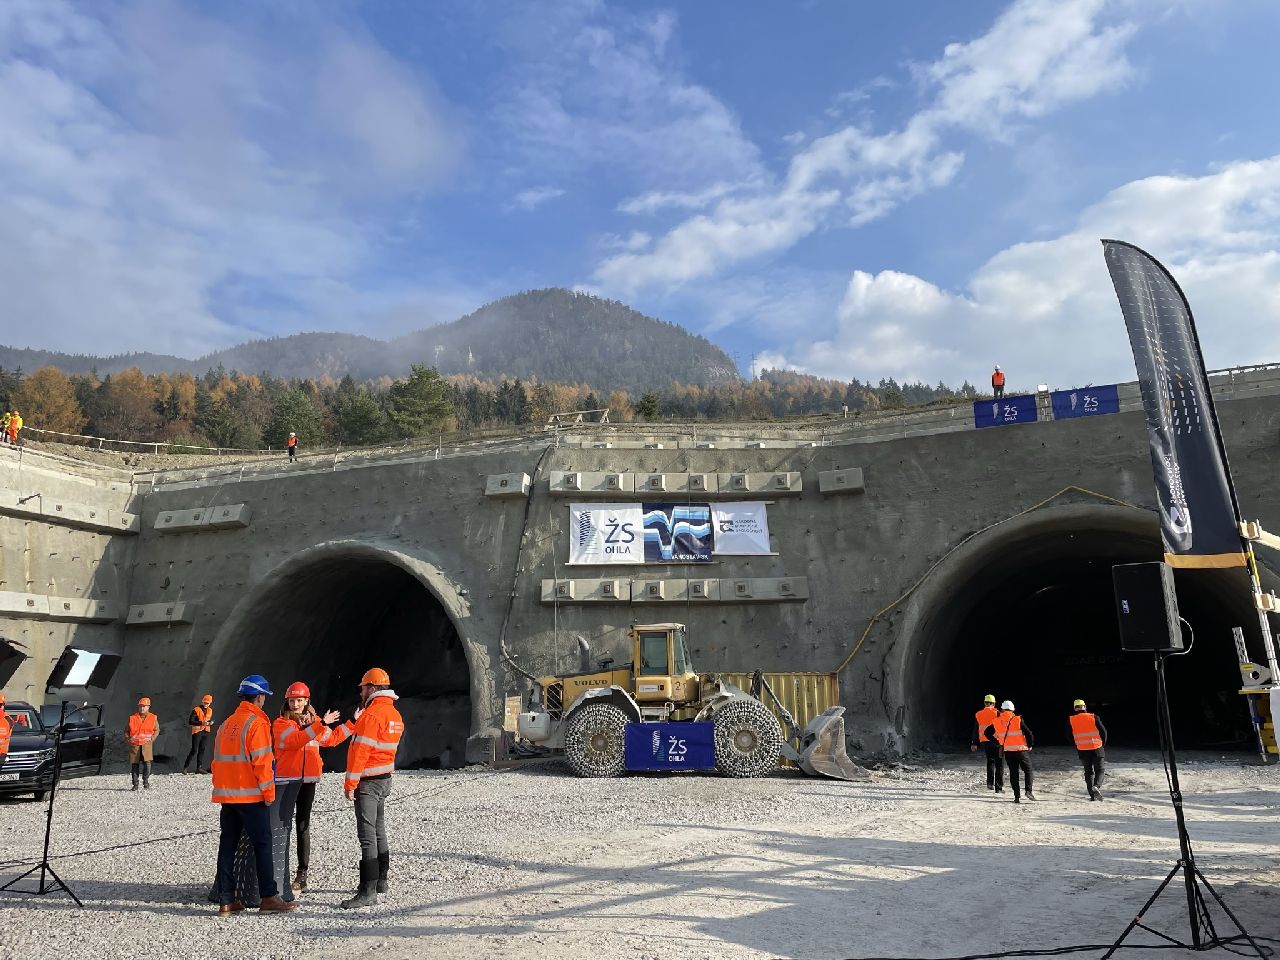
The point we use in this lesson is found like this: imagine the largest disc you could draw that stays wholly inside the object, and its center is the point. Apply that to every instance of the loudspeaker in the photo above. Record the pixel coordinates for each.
(1147, 607)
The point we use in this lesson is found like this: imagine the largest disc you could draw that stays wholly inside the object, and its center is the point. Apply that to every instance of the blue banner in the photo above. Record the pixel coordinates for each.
(669, 746)
(1085, 402)
(1003, 411)
(677, 533)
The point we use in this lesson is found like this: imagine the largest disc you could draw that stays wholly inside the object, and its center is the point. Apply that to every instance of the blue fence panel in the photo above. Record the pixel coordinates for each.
(1004, 411)
(669, 746)
(1085, 402)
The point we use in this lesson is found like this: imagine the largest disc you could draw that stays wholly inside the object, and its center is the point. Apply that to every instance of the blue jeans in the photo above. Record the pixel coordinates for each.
(254, 820)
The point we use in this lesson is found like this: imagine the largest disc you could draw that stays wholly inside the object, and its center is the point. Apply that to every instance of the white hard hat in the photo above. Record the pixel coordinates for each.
(1007, 705)
(292, 434)
(997, 366)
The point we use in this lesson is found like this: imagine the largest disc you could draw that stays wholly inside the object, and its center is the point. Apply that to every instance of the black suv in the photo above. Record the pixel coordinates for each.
(28, 768)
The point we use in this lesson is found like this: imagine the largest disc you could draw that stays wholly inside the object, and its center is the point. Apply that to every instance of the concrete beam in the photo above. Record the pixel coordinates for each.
(848, 480)
(503, 485)
(68, 513)
(39, 606)
(151, 614)
(226, 517)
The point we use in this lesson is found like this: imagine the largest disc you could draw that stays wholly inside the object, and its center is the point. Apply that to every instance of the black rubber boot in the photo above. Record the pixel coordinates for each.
(367, 895)
(384, 868)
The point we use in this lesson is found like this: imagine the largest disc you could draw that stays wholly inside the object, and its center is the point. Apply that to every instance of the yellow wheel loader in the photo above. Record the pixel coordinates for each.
(597, 716)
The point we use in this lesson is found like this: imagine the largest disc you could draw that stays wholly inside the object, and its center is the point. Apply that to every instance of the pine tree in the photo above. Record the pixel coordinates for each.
(421, 404)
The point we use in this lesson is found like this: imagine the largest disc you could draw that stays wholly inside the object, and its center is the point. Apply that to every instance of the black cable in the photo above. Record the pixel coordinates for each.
(1082, 947)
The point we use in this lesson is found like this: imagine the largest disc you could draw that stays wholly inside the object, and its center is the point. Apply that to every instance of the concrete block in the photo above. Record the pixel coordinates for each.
(764, 589)
(71, 514)
(702, 590)
(180, 521)
(81, 609)
(645, 591)
(502, 485)
(586, 591)
(24, 606)
(228, 516)
(121, 522)
(658, 482)
(574, 483)
(701, 482)
(758, 484)
(150, 614)
(848, 480)
(65, 513)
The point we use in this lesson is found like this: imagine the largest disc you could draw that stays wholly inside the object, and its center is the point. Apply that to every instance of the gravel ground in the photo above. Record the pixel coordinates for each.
(920, 862)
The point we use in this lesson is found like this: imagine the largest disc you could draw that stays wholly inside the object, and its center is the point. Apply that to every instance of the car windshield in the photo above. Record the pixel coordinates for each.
(23, 718)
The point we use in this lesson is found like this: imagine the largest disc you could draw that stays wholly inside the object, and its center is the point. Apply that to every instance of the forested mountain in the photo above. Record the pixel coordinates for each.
(552, 335)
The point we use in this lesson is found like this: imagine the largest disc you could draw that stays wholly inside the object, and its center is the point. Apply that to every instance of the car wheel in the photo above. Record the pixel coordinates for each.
(39, 795)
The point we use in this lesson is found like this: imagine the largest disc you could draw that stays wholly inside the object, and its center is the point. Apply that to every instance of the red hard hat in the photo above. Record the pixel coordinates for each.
(298, 689)
(144, 702)
(376, 676)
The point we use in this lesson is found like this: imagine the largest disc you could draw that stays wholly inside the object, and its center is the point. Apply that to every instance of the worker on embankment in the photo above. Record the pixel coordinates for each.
(983, 719)
(244, 786)
(371, 759)
(141, 730)
(997, 382)
(1090, 737)
(296, 732)
(292, 445)
(15, 425)
(200, 722)
(4, 425)
(1016, 740)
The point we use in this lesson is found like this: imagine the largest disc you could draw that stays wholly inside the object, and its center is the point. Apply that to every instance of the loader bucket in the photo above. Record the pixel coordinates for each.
(822, 748)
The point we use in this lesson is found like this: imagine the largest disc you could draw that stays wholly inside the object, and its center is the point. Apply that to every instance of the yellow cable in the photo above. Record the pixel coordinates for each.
(910, 590)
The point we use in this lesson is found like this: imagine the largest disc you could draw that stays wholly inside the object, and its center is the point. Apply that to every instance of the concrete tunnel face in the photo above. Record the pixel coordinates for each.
(1030, 617)
(326, 620)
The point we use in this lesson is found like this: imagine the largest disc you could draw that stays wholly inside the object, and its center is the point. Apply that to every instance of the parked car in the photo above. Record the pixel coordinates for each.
(28, 768)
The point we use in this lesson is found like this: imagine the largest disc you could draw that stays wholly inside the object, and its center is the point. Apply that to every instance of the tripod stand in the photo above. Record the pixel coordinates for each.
(45, 869)
(1204, 936)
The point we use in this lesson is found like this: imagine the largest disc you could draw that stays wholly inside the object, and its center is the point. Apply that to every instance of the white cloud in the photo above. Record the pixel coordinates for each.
(1046, 311)
(658, 200)
(171, 182)
(535, 197)
(1038, 55)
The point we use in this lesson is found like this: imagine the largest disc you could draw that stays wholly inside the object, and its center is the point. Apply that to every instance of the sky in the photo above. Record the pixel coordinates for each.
(912, 190)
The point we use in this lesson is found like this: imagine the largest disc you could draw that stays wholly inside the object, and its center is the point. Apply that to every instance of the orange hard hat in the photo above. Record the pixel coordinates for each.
(144, 701)
(298, 689)
(207, 699)
(376, 676)
(2, 700)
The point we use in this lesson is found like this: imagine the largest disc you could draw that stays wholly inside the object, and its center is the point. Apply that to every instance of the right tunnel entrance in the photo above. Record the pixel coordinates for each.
(1030, 617)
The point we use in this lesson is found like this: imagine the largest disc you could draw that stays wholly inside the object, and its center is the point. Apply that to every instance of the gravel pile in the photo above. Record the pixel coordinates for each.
(535, 863)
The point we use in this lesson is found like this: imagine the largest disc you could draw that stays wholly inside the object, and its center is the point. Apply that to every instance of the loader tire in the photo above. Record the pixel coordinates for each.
(593, 740)
(748, 739)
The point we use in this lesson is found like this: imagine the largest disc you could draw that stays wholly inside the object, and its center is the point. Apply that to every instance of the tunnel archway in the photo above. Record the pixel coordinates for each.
(329, 613)
(1025, 611)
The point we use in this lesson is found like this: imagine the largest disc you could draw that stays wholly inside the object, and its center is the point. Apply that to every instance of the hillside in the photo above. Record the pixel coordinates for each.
(555, 335)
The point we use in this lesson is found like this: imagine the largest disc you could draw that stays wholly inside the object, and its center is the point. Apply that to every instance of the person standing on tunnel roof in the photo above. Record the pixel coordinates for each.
(292, 445)
(983, 719)
(1090, 737)
(371, 759)
(1016, 740)
(997, 382)
(141, 730)
(298, 733)
(5, 424)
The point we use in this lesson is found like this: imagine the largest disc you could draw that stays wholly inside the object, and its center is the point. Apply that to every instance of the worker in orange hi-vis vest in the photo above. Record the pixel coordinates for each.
(292, 445)
(297, 735)
(990, 746)
(997, 382)
(371, 758)
(1089, 736)
(244, 786)
(1016, 740)
(15, 424)
(141, 730)
(6, 729)
(201, 723)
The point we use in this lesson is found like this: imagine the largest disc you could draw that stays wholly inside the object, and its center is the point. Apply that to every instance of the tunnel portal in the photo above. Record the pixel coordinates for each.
(326, 620)
(1031, 618)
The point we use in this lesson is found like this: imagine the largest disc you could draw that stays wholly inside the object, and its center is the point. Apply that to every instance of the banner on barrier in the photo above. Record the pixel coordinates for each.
(1003, 411)
(677, 533)
(741, 529)
(1085, 402)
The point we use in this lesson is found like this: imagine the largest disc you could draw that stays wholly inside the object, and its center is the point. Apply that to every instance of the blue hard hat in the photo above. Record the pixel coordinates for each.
(254, 684)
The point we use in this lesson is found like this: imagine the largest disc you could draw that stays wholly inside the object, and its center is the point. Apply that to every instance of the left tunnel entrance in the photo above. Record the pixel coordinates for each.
(327, 620)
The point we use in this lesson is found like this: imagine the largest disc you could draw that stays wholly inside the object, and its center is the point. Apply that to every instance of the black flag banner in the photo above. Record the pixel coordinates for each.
(1199, 518)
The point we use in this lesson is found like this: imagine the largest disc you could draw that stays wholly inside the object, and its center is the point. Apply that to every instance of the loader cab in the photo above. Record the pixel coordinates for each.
(662, 669)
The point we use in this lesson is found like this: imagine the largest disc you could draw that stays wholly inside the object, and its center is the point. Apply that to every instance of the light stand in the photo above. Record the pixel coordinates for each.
(1204, 936)
(44, 866)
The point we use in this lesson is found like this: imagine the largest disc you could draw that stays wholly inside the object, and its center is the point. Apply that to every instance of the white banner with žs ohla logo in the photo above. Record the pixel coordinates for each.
(606, 533)
(741, 528)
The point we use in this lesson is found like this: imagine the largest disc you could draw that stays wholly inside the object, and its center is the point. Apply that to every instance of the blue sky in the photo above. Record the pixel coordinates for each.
(908, 190)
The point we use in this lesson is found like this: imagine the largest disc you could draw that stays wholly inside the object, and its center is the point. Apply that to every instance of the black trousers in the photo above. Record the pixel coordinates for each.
(997, 391)
(995, 770)
(198, 741)
(253, 820)
(302, 819)
(1019, 760)
(1093, 762)
(371, 823)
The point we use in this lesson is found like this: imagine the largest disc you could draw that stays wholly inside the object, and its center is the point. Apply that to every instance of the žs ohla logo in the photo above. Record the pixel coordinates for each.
(586, 529)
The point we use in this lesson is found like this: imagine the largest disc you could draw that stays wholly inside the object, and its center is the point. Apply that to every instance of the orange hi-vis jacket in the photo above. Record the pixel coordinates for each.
(298, 748)
(1085, 730)
(5, 729)
(985, 717)
(141, 730)
(374, 740)
(242, 759)
(1009, 732)
(205, 716)
(997, 378)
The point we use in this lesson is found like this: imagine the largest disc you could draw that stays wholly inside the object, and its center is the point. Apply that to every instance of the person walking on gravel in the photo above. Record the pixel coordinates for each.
(141, 730)
(297, 734)
(371, 758)
(244, 787)
(1016, 740)
(200, 722)
(983, 719)
(1090, 736)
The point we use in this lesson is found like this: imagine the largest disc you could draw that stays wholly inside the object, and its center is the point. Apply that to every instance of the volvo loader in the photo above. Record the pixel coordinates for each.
(588, 714)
